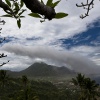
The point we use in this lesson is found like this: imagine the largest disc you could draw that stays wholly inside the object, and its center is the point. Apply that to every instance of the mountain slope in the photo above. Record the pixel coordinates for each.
(42, 69)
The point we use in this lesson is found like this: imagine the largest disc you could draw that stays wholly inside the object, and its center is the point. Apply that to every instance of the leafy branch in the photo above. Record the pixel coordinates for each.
(15, 11)
(39, 9)
(44, 16)
(52, 5)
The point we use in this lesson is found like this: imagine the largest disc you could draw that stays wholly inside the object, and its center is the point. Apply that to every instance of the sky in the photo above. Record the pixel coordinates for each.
(70, 42)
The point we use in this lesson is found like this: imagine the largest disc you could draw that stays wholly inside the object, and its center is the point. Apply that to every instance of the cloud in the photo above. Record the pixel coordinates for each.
(55, 29)
(46, 39)
(92, 53)
(72, 59)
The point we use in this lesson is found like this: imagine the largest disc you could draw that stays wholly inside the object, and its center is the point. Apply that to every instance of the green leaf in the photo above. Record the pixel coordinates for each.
(19, 23)
(42, 1)
(60, 15)
(55, 4)
(34, 15)
(7, 15)
(16, 6)
(49, 2)
(21, 3)
(21, 12)
(8, 2)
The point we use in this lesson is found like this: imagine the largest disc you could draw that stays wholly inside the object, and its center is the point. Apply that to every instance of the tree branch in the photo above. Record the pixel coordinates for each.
(2, 22)
(4, 6)
(38, 7)
(88, 6)
(2, 54)
(3, 63)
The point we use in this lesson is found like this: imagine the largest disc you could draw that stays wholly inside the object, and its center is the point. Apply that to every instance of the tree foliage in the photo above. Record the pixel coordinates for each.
(14, 9)
(3, 77)
(88, 87)
(39, 9)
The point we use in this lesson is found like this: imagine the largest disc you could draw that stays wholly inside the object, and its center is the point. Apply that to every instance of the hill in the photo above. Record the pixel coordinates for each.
(43, 70)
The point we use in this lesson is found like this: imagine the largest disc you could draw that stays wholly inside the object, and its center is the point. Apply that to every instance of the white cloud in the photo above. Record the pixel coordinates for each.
(73, 59)
(55, 29)
(92, 53)
(50, 32)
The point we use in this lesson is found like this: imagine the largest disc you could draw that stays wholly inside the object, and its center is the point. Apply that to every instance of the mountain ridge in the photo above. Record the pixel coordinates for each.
(43, 70)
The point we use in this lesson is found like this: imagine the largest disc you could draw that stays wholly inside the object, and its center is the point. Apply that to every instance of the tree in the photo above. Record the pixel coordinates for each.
(79, 81)
(91, 89)
(25, 83)
(88, 87)
(3, 77)
(25, 80)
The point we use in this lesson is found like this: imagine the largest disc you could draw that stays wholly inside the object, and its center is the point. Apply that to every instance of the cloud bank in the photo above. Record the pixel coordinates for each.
(72, 59)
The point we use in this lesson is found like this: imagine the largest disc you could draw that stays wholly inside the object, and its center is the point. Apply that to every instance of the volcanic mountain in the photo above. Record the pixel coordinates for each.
(43, 70)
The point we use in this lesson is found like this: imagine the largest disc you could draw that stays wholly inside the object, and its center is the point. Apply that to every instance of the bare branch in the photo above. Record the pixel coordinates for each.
(4, 63)
(2, 55)
(88, 6)
(2, 22)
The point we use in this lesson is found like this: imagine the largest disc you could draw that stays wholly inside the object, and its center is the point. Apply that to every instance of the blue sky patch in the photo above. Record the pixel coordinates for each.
(34, 38)
(89, 38)
(8, 39)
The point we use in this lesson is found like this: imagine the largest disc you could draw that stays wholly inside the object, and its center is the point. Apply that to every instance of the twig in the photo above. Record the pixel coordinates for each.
(4, 63)
(88, 6)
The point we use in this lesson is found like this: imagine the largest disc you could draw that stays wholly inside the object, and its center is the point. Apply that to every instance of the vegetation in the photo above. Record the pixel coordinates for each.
(39, 9)
(14, 9)
(88, 88)
(3, 78)
(24, 89)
